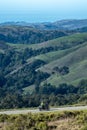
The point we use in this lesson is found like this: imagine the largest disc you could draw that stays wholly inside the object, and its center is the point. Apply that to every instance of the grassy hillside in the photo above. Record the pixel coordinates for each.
(71, 52)
(63, 42)
(74, 59)
(31, 73)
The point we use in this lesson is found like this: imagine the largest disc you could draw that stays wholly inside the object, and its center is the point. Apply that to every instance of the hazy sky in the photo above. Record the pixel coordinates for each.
(42, 10)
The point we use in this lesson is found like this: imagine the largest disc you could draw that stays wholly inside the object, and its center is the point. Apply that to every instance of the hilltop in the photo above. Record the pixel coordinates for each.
(66, 24)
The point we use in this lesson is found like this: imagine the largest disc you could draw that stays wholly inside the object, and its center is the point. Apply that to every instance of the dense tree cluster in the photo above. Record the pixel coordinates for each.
(15, 74)
(61, 70)
(19, 34)
(61, 95)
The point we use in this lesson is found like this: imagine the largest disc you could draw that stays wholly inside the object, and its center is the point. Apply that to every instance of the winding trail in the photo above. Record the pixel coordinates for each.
(9, 112)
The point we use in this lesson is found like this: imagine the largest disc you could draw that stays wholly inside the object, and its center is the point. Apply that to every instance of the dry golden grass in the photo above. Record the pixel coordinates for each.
(64, 124)
(2, 126)
(67, 120)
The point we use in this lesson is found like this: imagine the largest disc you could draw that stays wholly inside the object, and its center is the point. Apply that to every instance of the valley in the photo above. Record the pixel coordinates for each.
(53, 69)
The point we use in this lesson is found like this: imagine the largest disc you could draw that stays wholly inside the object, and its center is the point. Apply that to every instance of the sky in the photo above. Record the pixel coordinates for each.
(42, 10)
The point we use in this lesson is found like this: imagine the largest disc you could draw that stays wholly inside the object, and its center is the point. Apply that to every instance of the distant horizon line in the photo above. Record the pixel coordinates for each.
(53, 21)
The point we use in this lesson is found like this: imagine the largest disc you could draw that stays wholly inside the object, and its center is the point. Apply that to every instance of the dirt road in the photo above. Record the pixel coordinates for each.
(25, 111)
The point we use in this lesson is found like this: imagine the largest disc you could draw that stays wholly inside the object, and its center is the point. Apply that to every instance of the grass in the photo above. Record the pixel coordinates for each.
(70, 41)
(76, 74)
(65, 124)
(75, 57)
(77, 62)
(1, 51)
(66, 120)
(52, 56)
(29, 89)
(71, 58)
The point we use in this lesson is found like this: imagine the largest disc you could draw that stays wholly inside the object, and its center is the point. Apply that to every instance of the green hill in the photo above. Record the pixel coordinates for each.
(55, 70)
(68, 51)
(63, 42)
(28, 35)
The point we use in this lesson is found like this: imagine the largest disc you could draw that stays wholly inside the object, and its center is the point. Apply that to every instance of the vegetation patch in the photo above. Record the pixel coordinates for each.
(71, 120)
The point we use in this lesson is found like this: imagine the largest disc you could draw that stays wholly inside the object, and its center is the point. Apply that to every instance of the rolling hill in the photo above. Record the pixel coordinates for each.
(55, 67)
(66, 24)
(28, 35)
(75, 58)
(68, 51)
